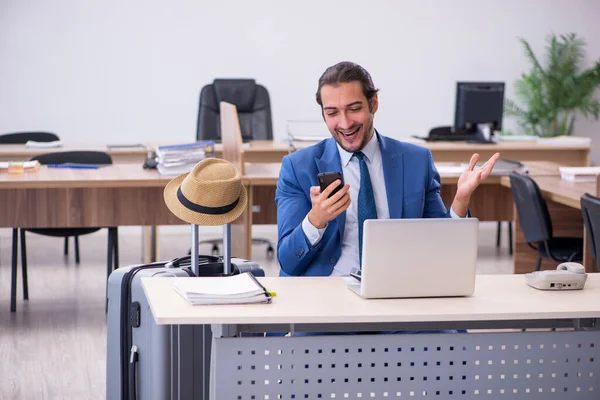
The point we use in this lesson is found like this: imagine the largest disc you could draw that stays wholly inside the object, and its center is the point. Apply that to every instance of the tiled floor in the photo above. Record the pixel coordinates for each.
(54, 346)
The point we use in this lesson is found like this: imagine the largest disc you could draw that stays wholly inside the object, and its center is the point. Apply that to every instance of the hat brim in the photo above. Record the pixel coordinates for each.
(193, 217)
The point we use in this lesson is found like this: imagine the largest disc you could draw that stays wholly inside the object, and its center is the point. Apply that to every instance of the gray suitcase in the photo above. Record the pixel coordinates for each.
(142, 357)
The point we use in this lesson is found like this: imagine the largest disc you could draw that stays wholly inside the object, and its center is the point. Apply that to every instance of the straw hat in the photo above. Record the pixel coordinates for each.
(211, 194)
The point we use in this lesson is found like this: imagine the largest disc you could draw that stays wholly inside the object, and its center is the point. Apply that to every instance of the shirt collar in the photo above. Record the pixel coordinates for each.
(369, 151)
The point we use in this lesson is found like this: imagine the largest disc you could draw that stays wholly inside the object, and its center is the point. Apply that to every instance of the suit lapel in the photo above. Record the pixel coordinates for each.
(330, 162)
(394, 177)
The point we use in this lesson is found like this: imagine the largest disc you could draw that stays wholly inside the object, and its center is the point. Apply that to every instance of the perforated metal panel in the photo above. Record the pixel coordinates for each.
(536, 365)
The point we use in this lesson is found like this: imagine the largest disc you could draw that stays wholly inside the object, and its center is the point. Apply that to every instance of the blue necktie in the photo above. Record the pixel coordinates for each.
(366, 200)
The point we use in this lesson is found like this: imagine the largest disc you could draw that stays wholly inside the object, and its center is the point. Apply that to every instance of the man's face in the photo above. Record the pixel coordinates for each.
(347, 115)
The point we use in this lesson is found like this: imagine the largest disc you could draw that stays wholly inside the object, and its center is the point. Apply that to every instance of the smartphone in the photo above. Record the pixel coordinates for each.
(327, 178)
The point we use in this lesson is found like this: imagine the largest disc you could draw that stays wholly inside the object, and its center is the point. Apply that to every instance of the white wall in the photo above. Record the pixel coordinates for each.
(131, 71)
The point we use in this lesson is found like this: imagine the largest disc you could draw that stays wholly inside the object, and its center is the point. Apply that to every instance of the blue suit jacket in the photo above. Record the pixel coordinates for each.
(412, 186)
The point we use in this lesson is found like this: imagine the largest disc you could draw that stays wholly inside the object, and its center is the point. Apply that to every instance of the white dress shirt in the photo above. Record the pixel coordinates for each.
(349, 257)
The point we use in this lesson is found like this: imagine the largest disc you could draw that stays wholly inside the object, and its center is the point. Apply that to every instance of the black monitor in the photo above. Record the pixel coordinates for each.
(478, 109)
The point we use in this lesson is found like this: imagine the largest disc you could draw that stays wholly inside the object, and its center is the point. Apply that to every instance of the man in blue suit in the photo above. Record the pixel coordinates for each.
(384, 178)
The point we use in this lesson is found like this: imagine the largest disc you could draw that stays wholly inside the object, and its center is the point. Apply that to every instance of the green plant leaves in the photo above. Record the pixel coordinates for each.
(550, 95)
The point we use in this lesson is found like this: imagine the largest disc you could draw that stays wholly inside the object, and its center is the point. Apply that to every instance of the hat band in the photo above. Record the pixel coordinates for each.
(202, 209)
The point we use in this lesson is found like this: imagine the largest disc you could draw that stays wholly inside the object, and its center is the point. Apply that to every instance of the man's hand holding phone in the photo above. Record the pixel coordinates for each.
(325, 208)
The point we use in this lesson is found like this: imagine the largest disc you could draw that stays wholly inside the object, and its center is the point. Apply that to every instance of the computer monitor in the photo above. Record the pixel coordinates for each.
(478, 109)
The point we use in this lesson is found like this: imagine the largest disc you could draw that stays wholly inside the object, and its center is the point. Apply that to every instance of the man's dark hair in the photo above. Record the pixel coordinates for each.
(344, 72)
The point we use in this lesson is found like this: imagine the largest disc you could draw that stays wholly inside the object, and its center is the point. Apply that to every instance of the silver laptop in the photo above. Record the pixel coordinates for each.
(418, 258)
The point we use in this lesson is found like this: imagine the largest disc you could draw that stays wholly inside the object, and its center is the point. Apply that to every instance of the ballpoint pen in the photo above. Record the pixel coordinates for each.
(76, 166)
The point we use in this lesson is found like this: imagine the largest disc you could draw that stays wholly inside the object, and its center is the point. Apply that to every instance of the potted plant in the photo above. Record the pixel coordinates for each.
(550, 96)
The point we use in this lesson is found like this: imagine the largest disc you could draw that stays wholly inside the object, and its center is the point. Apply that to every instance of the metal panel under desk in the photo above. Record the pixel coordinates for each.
(529, 365)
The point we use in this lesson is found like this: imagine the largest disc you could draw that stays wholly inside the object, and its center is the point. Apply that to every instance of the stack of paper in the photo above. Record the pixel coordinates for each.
(579, 174)
(516, 138)
(236, 289)
(43, 145)
(503, 167)
(125, 146)
(450, 169)
(565, 140)
(27, 166)
(181, 158)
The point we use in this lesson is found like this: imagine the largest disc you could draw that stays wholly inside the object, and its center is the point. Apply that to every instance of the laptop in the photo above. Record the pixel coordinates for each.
(418, 258)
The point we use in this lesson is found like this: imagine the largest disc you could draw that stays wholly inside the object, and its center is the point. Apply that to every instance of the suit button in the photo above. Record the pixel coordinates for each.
(333, 260)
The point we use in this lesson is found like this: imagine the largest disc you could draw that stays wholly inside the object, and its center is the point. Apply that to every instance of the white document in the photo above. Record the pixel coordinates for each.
(445, 169)
(236, 289)
(43, 145)
(564, 140)
(579, 174)
(516, 138)
(26, 164)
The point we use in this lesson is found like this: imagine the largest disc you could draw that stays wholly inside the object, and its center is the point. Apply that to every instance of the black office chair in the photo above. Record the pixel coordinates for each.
(77, 157)
(254, 113)
(252, 103)
(24, 137)
(590, 209)
(499, 236)
(537, 225)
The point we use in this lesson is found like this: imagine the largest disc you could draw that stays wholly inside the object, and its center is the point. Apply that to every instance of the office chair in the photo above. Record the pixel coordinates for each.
(590, 209)
(24, 137)
(499, 236)
(537, 225)
(254, 113)
(252, 103)
(78, 157)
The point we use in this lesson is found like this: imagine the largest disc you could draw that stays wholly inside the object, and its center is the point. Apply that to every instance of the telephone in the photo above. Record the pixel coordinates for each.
(568, 276)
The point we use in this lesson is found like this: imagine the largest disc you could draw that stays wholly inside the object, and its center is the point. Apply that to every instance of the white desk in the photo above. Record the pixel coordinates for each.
(318, 300)
(468, 365)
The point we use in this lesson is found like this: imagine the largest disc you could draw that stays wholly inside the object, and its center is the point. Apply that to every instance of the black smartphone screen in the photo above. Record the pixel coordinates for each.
(327, 178)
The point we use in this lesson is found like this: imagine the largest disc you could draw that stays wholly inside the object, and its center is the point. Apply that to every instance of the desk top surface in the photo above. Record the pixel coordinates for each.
(19, 151)
(133, 175)
(327, 300)
(115, 175)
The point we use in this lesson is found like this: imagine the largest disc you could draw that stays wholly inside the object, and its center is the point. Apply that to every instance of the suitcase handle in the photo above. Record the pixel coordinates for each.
(186, 261)
(133, 359)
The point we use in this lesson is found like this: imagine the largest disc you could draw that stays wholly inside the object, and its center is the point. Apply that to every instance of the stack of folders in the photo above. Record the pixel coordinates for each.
(503, 167)
(43, 145)
(181, 158)
(20, 166)
(235, 289)
(565, 140)
(579, 174)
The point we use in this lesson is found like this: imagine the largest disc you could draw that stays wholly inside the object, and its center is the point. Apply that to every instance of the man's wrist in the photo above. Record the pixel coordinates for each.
(460, 206)
(315, 222)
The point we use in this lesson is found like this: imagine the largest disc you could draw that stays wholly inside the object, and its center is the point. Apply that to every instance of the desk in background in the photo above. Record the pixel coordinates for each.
(492, 204)
(126, 194)
(114, 195)
(492, 201)
(563, 200)
(467, 365)
(263, 151)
